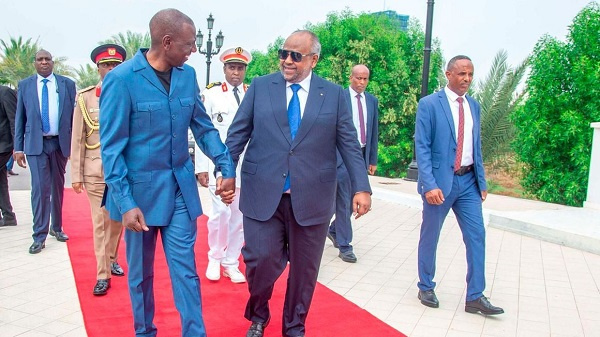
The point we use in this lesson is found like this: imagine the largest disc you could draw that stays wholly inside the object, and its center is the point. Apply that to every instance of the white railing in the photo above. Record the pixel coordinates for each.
(593, 190)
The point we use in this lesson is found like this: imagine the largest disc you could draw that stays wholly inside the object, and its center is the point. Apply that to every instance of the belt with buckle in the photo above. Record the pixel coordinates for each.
(463, 170)
(50, 137)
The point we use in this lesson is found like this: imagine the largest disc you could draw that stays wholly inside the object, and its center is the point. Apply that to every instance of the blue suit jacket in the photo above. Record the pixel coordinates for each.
(372, 131)
(28, 119)
(310, 158)
(143, 132)
(435, 144)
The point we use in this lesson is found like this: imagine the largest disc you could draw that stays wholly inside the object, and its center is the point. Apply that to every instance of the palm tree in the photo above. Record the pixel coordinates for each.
(499, 96)
(86, 76)
(130, 41)
(17, 57)
(16, 61)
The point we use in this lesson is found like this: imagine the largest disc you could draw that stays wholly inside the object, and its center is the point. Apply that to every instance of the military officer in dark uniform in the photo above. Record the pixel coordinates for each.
(86, 168)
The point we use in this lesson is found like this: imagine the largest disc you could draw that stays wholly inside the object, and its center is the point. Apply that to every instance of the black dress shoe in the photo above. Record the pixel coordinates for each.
(428, 298)
(101, 287)
(333, 240)
(37, 247)
(348, 256)
(60, 236)
(482, 305)
(257, 329)
(5, 222)
(116, 269)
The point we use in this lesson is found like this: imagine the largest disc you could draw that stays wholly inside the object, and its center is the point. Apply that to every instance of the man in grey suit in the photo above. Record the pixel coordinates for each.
(8, 105)
(365, 115)
(43, 132)
(291, 122)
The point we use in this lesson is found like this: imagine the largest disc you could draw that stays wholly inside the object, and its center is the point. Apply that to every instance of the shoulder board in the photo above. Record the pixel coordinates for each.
(87, 89)
(213, 84)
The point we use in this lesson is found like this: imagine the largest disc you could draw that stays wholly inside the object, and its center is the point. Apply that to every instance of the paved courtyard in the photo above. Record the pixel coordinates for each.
(546, 289)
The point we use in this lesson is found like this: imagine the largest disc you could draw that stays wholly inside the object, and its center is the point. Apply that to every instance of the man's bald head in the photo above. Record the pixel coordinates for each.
(167, 22)
(360, 68)
(359, 78)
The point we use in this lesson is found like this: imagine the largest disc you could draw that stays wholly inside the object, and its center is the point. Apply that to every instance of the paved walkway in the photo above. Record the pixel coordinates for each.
(546, 289)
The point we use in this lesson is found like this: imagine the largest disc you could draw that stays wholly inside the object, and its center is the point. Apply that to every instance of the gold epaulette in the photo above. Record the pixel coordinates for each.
(91, 124)
(86, 89)
(213, 84)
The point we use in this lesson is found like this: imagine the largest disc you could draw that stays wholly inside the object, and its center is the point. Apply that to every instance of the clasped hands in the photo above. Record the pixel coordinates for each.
(225, 187)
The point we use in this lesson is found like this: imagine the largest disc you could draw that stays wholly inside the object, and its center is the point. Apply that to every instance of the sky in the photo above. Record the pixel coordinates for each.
(477, 28)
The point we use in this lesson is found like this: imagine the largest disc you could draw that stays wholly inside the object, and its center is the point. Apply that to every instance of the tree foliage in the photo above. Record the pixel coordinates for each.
(395, 59)
(17, 57)
(131, 41)
(86, 76)
(498, 97)
(554, 135)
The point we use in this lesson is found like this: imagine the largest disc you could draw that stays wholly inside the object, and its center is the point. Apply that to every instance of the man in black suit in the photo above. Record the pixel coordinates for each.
(8, 104)
(43, 123)
(365, 115)
(292, 122)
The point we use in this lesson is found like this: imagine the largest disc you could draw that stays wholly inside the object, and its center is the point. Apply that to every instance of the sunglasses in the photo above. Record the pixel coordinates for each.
(296, 56)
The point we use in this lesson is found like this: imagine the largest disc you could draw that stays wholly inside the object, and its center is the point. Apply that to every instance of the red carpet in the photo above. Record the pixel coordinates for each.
(223, 302)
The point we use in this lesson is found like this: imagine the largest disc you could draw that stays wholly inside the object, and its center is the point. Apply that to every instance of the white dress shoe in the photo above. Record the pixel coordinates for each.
(213, 271)
(235, 275)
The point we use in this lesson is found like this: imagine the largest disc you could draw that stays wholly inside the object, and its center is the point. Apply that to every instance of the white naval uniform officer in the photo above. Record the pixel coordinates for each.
(225, 231)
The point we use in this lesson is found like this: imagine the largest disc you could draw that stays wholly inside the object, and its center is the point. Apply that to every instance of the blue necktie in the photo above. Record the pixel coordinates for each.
(294, 121)
(45, 107)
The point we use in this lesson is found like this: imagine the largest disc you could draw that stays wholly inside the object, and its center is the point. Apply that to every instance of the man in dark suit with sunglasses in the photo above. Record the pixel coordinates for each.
(292, 122)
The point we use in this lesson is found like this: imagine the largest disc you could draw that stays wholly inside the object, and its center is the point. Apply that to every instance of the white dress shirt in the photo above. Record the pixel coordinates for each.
(52, 102)
(302, 93)
(355, 117)
(467, 153)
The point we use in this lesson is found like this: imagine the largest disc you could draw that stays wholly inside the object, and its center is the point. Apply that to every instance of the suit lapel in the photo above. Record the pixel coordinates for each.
(279, 106)
(447, 111)
(315, 99)
(142, 65)
(32, 88)
(370, 115)
(62, 87)
(475, 116)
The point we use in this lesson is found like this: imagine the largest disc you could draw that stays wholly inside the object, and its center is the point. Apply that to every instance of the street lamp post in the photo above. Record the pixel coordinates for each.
(209, 52)
(412, 173)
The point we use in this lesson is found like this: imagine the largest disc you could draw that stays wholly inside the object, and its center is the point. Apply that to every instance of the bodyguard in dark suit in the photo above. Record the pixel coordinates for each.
(8, 105)
(365, 115)
(451, 176)
(292, 123)
(43, 133)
